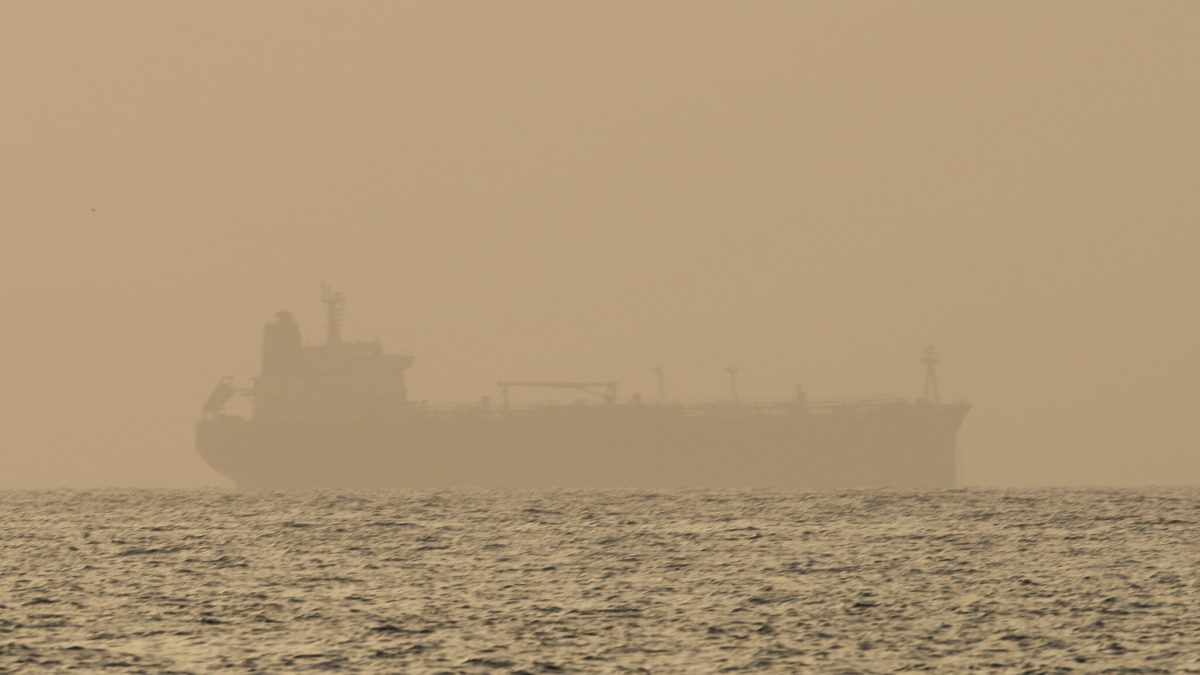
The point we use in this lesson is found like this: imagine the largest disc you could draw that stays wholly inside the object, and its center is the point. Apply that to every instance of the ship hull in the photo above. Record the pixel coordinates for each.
(909, 445)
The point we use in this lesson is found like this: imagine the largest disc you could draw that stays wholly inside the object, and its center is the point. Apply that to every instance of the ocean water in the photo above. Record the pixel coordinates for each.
(600, 582)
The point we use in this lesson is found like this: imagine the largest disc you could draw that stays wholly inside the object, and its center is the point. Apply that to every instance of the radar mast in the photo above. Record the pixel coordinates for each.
(335, 306)
(931, 379)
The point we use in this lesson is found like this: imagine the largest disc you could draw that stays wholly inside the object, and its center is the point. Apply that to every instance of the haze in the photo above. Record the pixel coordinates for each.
(811, 191)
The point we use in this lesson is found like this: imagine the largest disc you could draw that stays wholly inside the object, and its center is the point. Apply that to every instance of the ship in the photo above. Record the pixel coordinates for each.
(339, 415)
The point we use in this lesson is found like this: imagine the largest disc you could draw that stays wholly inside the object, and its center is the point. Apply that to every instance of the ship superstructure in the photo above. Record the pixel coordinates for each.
(338, 415)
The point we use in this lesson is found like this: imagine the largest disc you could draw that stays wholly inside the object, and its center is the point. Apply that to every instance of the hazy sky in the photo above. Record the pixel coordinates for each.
(812, 191)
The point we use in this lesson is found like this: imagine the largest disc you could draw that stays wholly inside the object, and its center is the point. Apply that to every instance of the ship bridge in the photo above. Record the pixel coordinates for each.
(337, 381)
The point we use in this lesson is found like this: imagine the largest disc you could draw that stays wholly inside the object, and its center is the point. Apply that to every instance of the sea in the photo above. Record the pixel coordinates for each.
(1029, 581)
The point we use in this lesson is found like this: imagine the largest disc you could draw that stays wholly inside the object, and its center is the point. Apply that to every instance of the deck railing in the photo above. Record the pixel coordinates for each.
(686, 409)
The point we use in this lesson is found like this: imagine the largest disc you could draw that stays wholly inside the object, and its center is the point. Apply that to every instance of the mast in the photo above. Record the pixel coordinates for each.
(931, 379)
(335, 306)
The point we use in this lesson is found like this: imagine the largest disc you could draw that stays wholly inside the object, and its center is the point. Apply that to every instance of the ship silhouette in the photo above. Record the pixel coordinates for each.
(339, 415)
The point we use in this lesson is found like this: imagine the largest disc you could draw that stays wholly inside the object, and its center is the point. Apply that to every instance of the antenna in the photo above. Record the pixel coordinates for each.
(335, 306)
(662, 391)
(931, 379)
(733, 394)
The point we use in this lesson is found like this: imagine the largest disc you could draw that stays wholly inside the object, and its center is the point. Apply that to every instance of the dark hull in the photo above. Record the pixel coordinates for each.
(899, 445)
